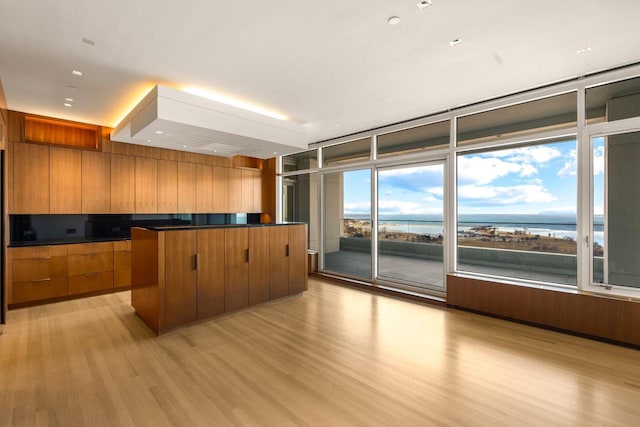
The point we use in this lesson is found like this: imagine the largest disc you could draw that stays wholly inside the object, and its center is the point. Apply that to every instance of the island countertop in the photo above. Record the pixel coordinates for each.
(207, 226)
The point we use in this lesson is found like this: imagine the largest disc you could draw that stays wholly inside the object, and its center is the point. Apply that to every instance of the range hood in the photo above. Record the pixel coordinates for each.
(177, 120)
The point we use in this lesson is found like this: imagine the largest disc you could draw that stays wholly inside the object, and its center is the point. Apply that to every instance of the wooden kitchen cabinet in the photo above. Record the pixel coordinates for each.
(146, 185)
(279, 261)
(30, 179)
(204, 188)
(186, 187)
(211, 272)
(96, 182)
(257, 192)
(122, 264)
(220, 189)
(65, 179)
(235, 190)
(259, 284)
(90, 267)
(247, 190)
(180, 277)
(123, 178)
(167, 186)
(298, 275)
(37, 273)
(236, 272)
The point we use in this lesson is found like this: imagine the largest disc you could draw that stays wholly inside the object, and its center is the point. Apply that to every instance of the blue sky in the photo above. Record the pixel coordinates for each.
(526, 180)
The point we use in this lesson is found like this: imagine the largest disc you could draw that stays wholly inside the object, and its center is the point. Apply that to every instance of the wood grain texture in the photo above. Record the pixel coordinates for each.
(146, 185)
(167, 186)
(278, 261)
(123, 179)
(96, 182)
(15, 128)
(90, 282)
(65, 180)
(220, 189)
(180, 278)
(235, 190)
(332, 357)
(608, 318)
(257, 192)
(259, 275)
(186, 187)
(146, 288)
(46, 130)
(297, 258)
(30, 179)
(236, 272)
(247, 176)
(211, 275)
(204, 188)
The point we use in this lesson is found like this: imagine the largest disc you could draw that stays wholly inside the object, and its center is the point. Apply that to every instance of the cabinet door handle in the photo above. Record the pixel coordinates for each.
(197, 261)
(248, 255)
(95, 273)
(37, 258)
(287, 250)
(41, 280)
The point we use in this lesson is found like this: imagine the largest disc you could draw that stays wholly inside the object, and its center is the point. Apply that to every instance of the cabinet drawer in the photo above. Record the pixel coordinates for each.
(39, 289)
(26, 270)
(90, 248)
(38, 251)
(90, 263)
(90, 282)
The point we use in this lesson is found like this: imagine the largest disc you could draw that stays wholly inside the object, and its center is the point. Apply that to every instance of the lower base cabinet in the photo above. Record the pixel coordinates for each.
(183, 275)
(41, 273)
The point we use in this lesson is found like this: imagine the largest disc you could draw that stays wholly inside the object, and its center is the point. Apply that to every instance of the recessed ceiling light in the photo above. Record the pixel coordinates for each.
(66, 104)
(69, 99)
(159, 132)
(455, 42)
(583, 50)
(148, 140)
(88, 41)
(76, 73)
(394, 20)
(424, 4)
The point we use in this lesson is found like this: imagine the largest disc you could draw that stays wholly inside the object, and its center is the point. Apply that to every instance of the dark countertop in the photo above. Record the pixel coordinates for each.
(62, 241)
(201, 227)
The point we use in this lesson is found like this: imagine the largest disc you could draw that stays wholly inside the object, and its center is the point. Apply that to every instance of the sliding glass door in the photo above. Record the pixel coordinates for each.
(410, 224)
(347, 223)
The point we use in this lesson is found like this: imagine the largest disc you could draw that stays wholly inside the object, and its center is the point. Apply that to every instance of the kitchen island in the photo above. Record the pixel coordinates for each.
(183, 274)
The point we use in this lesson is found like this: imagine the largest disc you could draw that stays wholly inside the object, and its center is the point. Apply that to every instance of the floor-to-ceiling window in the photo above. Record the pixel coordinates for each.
(410, 224)
(347, 222)
(532, 188)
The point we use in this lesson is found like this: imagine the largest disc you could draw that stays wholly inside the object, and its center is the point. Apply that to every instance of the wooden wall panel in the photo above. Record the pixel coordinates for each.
(15, 131)
(146, 185)
(123, 178)
(235, 190)
(45, 130)
(598, 316)
(96, 182)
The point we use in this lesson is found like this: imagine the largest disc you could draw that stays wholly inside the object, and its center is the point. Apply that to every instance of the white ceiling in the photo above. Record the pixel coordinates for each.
(334, 66)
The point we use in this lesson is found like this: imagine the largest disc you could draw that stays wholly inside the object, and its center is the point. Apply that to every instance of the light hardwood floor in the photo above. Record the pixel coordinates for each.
(333, 357)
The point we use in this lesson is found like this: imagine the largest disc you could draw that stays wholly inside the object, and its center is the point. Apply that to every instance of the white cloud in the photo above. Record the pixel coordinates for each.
(492, 195)
(438, 191)
(528, 170)
(532, 154)
(570, 166)
(357, 207)
(484, 170)
(598, 160)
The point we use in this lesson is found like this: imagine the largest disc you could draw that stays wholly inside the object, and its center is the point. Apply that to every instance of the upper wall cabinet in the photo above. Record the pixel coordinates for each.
(65, 190)
(30, 179)
(96, 182)
(146, 185)
(123, 178)
(167, 186)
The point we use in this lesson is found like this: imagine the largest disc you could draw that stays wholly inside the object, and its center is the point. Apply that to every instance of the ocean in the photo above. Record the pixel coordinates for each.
(560, 226)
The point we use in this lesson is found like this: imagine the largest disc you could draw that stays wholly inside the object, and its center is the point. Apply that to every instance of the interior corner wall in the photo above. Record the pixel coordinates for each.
(333, 211)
